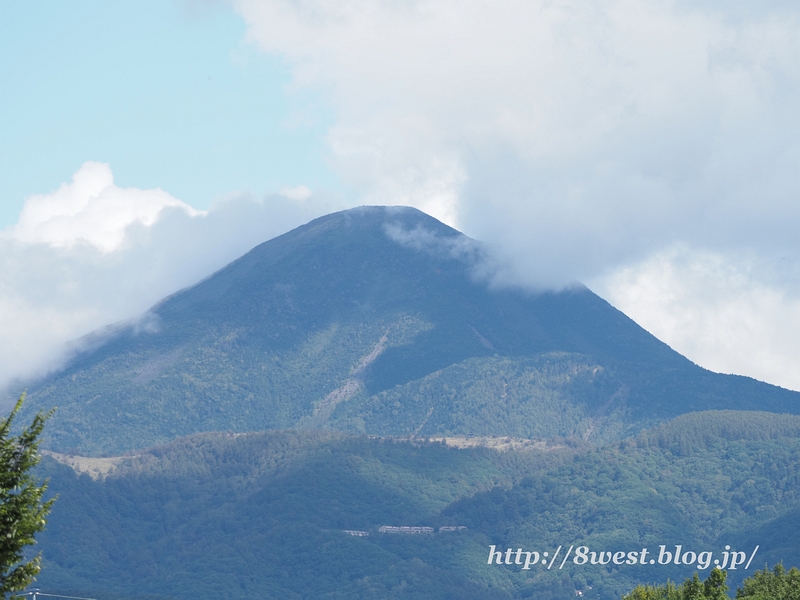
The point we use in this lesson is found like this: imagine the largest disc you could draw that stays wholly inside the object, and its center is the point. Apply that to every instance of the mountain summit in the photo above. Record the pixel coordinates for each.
(373, 320)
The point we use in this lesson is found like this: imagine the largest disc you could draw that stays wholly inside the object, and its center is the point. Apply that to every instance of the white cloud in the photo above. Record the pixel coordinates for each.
(90, 210)
(91, 254)
(576, 136)
(729, 315)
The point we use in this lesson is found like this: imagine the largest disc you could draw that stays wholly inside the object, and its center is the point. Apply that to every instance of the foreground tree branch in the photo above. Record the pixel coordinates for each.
(22, 512)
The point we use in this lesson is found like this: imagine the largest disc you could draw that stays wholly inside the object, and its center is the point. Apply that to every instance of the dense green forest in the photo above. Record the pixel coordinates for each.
(263, 514)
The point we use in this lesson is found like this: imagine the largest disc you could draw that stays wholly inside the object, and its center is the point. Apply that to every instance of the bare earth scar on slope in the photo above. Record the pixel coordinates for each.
(96, 468)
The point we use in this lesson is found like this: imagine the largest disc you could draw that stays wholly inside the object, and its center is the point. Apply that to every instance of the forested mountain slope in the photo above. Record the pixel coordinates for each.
(376, 320)
(262, 515)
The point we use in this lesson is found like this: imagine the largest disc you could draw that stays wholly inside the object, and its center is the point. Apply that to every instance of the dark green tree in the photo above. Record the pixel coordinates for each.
(779, 584)
(650, 592)
(713, 588)
(22, 512)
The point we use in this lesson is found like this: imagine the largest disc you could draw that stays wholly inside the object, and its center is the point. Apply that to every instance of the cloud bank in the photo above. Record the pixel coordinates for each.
(580, 133)
(583, 140)
(91, 254)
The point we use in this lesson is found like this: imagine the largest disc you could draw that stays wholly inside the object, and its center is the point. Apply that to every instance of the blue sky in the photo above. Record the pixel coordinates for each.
(168, 94)
(648, 148)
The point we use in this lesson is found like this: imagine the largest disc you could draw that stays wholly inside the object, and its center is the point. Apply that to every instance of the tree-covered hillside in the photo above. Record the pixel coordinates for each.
(262, 515)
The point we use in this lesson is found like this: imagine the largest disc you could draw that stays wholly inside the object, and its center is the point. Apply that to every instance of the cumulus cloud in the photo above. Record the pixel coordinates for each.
(91, 254)
(90, 210)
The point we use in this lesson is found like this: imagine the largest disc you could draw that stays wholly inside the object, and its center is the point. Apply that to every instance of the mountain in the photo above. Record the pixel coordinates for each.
(360, 372)
(377, 320)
